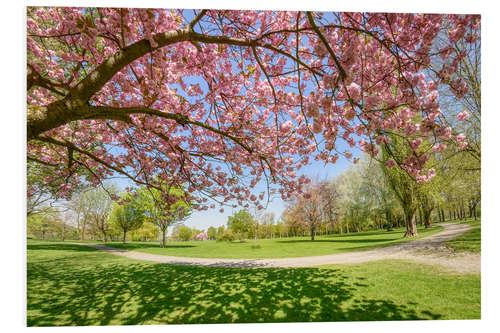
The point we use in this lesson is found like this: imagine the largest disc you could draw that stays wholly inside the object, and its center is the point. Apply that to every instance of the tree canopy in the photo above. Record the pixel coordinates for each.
(217, 101)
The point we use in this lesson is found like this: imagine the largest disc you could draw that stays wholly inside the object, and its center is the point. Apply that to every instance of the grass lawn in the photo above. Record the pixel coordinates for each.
(76, 285)
(278, 248)
(470, 241)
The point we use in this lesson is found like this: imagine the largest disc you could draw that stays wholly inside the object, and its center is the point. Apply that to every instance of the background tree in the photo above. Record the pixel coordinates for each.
(212, 233)
(126, 216)
(97, 205)
(163, 207)
(185, 233)
(240, 223)
(147, 232)
(404, 187)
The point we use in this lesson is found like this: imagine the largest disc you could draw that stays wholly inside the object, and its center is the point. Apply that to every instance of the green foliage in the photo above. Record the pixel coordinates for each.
(160, 212)
(212, 233)
(126, 217)
(220, 232)
(227, 236)
(48, 224)
(240, 222)
(148, 231)
(185, 233)
(69, 285)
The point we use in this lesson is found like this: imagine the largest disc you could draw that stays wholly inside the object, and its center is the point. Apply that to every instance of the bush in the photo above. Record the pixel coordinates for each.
(227, 236)
(241, 236)
(256, 246)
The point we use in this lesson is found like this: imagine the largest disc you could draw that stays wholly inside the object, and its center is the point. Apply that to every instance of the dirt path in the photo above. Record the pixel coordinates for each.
(429, 250)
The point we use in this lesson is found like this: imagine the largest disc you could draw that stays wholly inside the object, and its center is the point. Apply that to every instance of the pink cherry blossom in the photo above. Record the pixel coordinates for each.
(463, 115)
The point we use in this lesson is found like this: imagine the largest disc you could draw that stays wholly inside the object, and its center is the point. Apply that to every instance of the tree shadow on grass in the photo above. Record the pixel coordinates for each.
(129, 293)
(60, 247)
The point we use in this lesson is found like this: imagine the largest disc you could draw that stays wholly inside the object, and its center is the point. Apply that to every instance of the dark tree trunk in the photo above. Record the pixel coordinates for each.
(163, 239)
(124, 236)
(312, 232)
(411, 225)
(427, 218)
(389, 222)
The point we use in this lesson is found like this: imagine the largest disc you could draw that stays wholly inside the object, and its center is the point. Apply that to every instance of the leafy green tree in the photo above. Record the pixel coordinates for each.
(95, 205)
(126, 217)
(163, 208)
(212, 233)
(404, 187)
(185, 233)
(148, 231)
(220, 232)
(240, 222)
(227, 236)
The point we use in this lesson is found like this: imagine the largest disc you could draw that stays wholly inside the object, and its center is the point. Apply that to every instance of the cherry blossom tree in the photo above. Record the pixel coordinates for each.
(218, 101)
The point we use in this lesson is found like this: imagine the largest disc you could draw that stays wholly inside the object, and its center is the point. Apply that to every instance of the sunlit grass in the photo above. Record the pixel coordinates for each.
(470, 241)
(77, 285)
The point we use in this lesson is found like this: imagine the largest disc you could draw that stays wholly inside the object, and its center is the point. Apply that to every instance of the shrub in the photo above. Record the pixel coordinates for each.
(227, 236)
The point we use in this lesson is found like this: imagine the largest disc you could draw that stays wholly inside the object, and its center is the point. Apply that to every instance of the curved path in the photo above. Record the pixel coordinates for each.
(429, 250)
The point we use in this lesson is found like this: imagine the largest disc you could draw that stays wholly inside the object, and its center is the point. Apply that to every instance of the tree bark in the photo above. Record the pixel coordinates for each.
(411, 226)
(163, 239)
(124, 236)
(389, 222)
(312, 232)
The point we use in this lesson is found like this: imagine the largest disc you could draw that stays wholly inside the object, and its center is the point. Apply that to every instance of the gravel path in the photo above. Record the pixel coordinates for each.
(429, 250)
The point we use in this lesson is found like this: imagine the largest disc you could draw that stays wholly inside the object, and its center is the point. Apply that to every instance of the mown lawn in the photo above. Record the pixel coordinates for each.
(470, 241)
(278, 248)
(77, 285)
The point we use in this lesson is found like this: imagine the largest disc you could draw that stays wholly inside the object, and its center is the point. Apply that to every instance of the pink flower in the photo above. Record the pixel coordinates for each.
(390, 163)
(438, 147)
(463, 115)
(354, 91)
(463, 145)
(415, 143)
(460, 137)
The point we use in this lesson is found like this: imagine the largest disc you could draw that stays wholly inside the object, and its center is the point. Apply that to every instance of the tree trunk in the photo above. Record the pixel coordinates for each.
(163, 239)
(389, 222)
(427, 218)
(124, 236)
(312, 232)
(411, 226)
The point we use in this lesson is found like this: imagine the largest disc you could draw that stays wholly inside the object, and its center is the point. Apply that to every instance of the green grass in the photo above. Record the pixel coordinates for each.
(278, 248)
(470, 241)
(77, 285)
